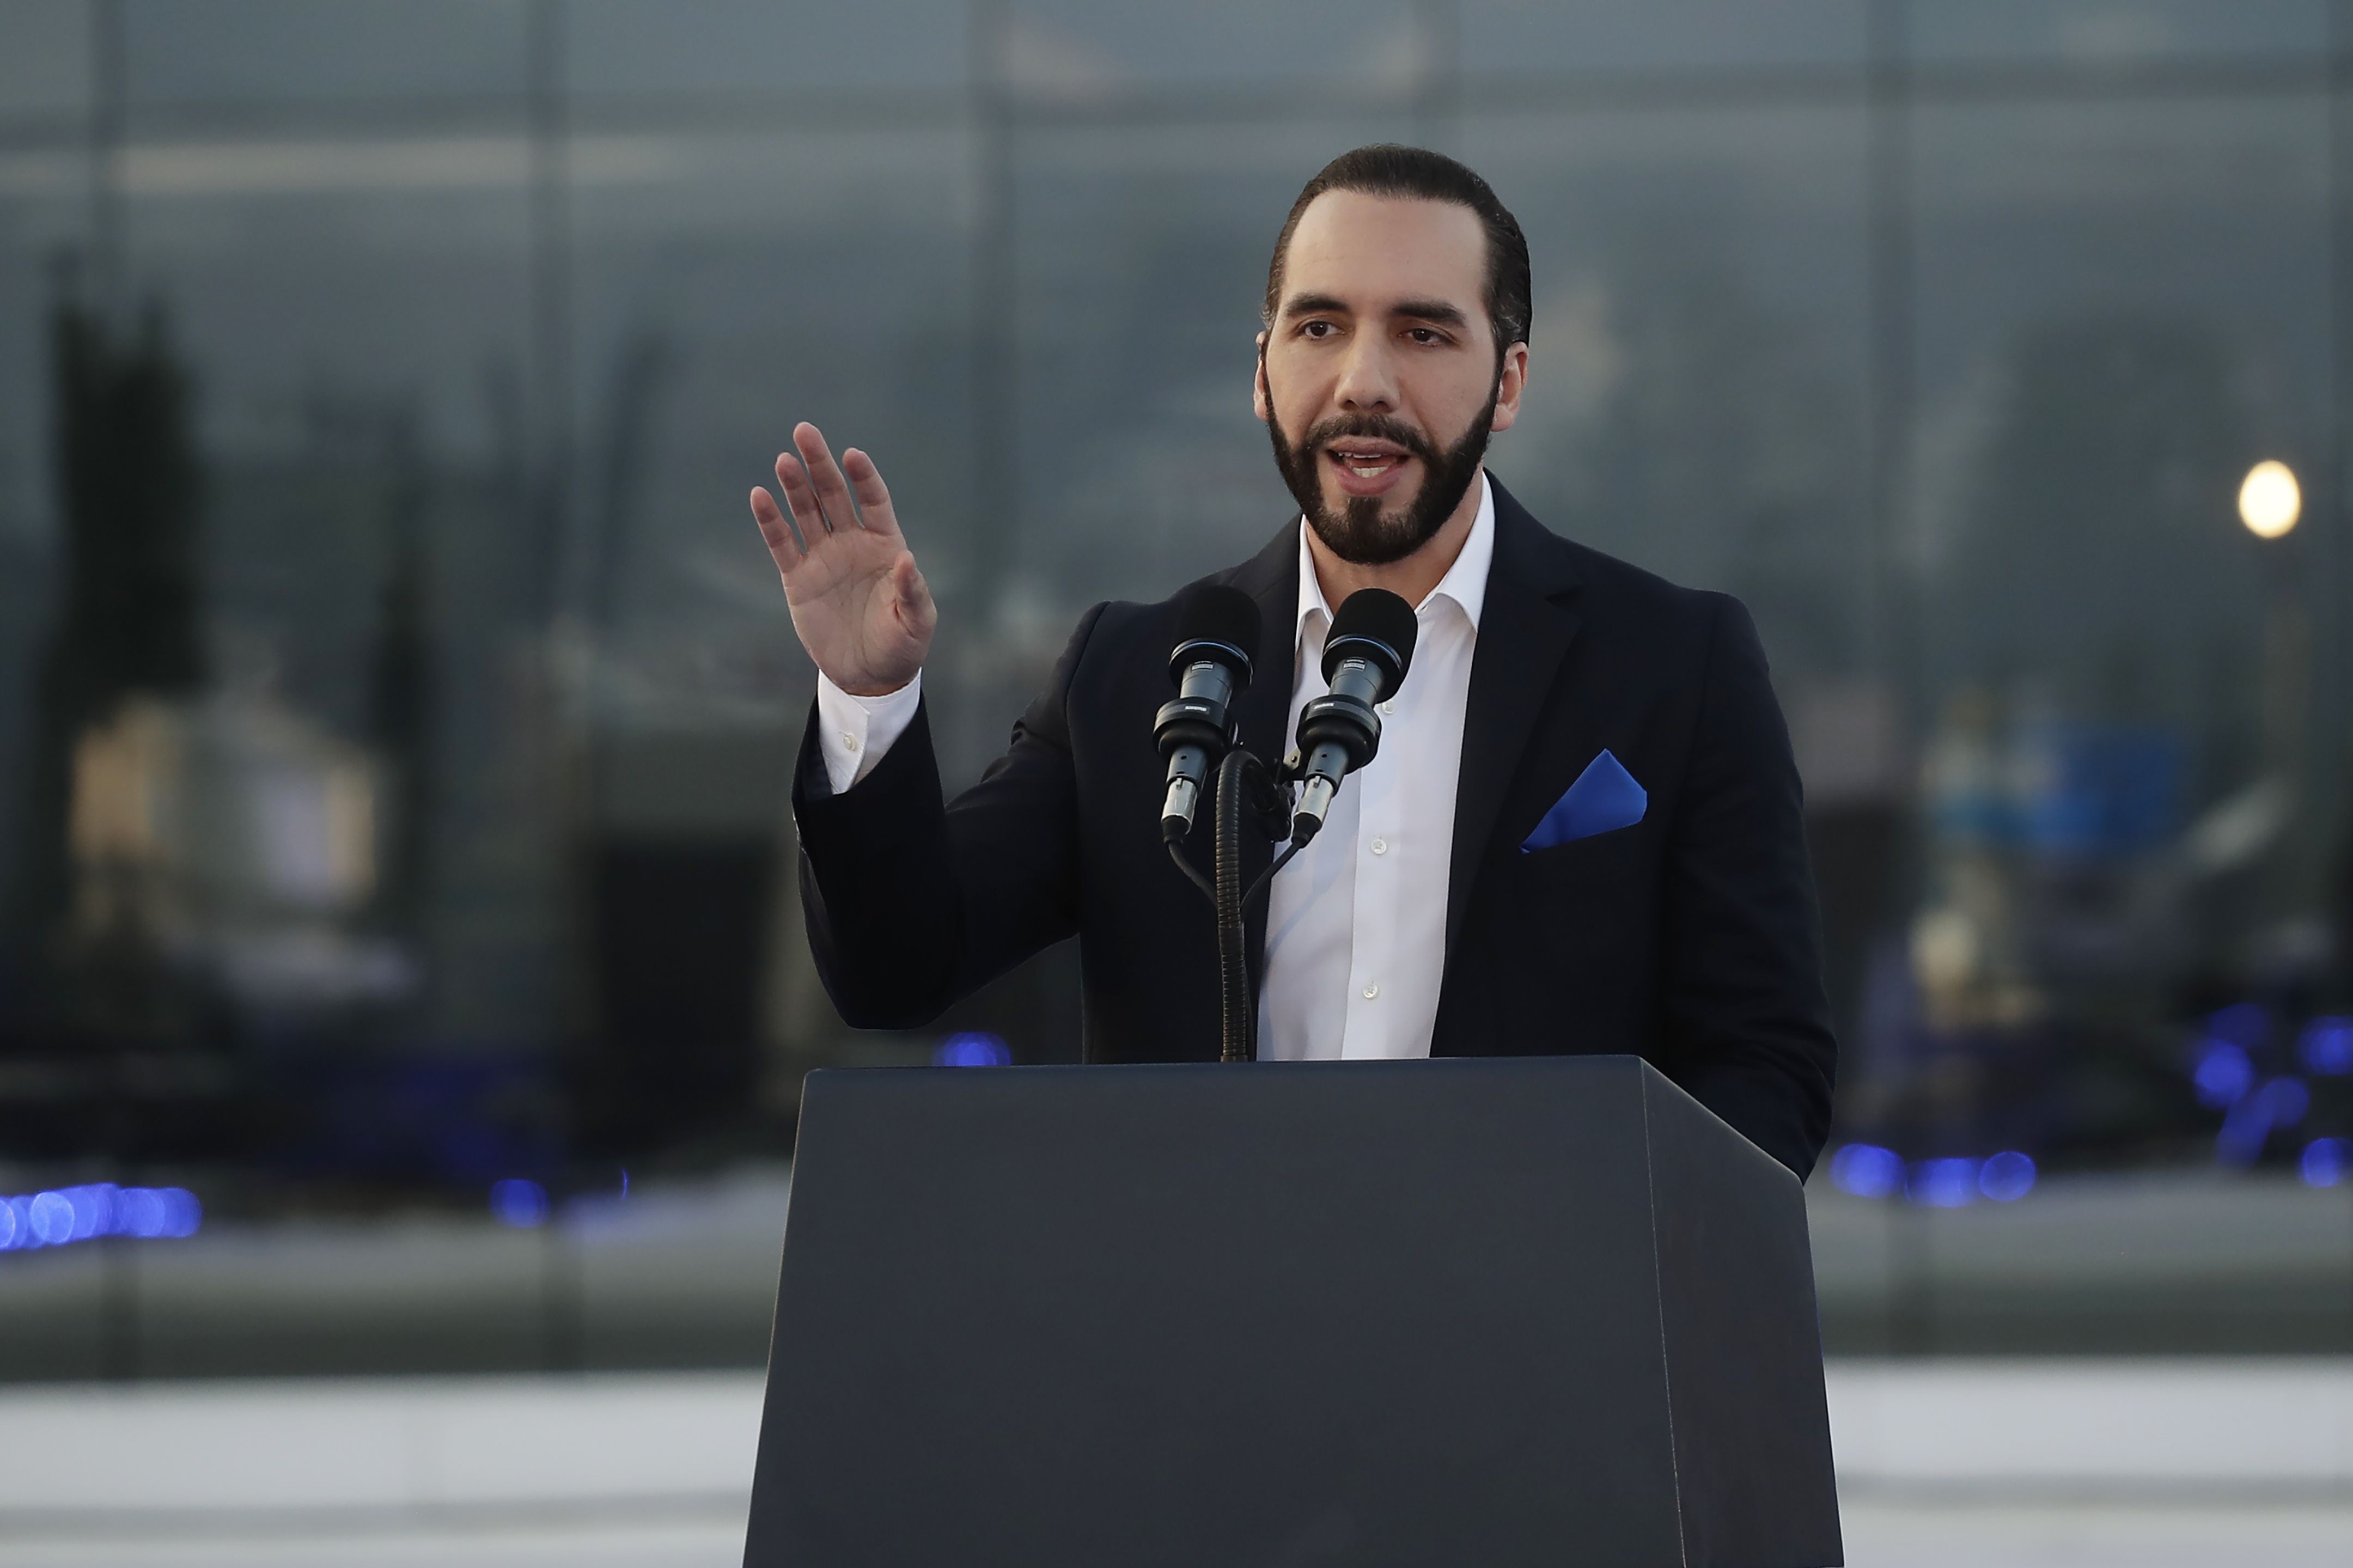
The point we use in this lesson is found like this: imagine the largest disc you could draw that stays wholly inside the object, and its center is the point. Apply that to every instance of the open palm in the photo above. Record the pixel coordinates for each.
(861, 608)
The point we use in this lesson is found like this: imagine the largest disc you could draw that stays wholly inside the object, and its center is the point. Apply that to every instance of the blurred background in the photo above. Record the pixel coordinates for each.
(401, 968)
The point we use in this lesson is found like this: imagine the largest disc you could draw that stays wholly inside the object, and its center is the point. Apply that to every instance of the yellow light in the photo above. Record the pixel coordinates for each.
(2270, 500)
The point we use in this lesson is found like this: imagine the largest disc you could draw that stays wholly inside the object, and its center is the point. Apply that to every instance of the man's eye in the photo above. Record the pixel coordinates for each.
(1426, 335)
(1316, 330)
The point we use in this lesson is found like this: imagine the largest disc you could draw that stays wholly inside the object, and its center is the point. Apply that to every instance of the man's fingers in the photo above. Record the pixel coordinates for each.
(873, 495)
(833, 490)
(778, 533)
(915, 597)
(801, 496)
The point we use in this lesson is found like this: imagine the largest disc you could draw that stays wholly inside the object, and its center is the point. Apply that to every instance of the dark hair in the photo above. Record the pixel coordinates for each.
(1386, 169)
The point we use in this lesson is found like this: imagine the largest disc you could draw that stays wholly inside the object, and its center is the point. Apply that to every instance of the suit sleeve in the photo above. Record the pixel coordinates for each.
(913, 904)
(1747, 1021)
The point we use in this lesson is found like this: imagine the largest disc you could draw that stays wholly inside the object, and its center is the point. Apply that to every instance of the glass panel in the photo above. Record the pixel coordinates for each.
(1143, 262)
(38, 224)
(1072, 48)
(746, 45)
(352, 317)
(1958, 394)
(1594, 38)
(2130, 830)
(759, 281)
(44, 61)
(2111, 32)
(1695, 380)
(280, 50)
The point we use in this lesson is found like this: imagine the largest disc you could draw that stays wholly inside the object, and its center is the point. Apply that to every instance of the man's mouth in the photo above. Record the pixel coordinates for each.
(1367, 468)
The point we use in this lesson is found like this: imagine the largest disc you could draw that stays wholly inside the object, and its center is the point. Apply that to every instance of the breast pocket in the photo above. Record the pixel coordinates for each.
(1596, 896)
(1617, 846)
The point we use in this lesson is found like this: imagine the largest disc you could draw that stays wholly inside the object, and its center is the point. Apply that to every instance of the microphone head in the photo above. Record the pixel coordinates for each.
(1376, 626)
(1218, 622)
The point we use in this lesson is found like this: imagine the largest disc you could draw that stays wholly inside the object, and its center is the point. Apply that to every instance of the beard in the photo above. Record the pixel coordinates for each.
(1360, 532)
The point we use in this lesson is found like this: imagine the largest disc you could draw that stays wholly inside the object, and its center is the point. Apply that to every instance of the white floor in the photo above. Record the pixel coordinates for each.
(2091, 1534)
(1942, 1465)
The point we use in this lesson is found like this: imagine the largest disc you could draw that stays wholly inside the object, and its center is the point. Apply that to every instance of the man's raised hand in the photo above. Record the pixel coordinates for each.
(861, 607)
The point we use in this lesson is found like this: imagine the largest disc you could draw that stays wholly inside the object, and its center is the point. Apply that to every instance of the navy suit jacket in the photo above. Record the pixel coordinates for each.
(1689, 937)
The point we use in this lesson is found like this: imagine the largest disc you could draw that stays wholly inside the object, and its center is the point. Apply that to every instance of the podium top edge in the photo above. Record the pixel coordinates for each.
(1608, 1066)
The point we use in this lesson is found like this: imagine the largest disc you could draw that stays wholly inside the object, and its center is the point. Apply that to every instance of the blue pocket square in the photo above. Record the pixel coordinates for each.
(1605, 797)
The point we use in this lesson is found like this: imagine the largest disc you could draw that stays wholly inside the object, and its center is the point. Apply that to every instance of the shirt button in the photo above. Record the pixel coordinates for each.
(848, 741)
(1381, 845)
(1389, 707)
(1372, 991)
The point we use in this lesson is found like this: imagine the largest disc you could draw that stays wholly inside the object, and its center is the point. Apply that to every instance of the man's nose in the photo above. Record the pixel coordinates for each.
(1367, 378)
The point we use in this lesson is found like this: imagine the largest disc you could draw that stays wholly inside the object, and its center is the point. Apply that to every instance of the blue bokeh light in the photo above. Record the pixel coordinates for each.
(2007, 1176)
(518, 1203)
(2326, 1161)
(2326, 1045)
(2223, 1074)
(63, 1215)
(1867, 1170)
(973, 1050)
(2287, 1100)
(2244, 1131)
(1947, 1183)
(53, 1219)
(93, 1209)
(181, 1212)
(138, 1211)
(2245, 1025)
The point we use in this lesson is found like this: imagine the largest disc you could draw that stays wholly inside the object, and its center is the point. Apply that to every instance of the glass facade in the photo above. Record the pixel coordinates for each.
(413, 361)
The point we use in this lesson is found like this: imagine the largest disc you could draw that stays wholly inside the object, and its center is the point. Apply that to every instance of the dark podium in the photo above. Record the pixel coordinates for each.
(1491, 1311)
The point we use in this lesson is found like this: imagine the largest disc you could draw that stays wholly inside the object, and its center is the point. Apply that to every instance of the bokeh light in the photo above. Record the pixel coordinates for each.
(2269, 500)
(518, 1203)
(1948, 1184)
(2222, 1074)
(2326, 1045)
(2326, 1161)
(2007, 1177)
(972, 1051)
(1867, 1171)
(63, 1215)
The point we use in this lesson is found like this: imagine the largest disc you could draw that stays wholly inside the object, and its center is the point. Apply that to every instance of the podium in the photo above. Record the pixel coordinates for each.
(1503, 1311)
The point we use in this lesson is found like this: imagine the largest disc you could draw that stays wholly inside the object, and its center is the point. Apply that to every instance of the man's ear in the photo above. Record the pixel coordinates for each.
(1261, 401)
(1509, 386)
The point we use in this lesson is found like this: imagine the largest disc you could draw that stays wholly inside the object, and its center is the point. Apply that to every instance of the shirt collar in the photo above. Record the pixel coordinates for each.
(1466, 582)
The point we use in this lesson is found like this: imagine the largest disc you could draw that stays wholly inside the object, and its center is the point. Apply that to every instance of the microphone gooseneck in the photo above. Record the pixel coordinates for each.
(1217, 631)
(1365, 661)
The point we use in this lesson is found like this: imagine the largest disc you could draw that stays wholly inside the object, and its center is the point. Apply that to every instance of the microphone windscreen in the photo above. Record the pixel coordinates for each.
(1371, 616)
(1216, 621)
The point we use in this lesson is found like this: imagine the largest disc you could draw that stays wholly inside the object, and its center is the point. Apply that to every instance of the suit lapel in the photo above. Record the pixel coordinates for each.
(1524, 630)
(1271, 578)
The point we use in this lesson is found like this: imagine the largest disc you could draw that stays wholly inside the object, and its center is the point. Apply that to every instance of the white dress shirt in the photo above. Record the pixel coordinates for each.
(1356, 936)
(1355, 929)
(854, 731)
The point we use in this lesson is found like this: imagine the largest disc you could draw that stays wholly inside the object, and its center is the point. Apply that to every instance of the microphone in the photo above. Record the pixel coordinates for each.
(1217, 629)
(1365, 661)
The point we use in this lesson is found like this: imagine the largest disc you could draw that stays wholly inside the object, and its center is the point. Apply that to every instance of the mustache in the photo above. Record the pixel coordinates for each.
(1380, 427)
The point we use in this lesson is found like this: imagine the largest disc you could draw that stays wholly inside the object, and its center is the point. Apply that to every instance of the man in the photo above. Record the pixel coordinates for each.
(1582, 830)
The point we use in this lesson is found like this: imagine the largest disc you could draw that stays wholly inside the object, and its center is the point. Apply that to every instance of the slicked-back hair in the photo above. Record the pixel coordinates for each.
(1387, 169)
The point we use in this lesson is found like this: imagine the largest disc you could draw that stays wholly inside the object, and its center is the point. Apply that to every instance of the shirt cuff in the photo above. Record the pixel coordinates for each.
(854, 731)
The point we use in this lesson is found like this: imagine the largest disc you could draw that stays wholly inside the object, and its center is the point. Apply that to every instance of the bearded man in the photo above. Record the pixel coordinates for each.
(1581, 832)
